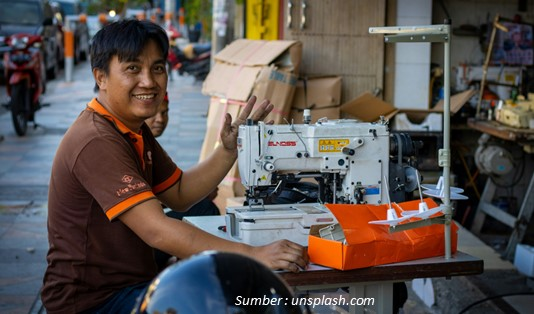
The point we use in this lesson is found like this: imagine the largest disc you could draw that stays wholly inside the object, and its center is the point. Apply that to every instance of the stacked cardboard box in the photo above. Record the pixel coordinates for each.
(322, 95)
(265, 69)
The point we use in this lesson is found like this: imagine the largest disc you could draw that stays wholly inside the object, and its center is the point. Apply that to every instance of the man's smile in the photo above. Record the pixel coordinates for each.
(145, 96)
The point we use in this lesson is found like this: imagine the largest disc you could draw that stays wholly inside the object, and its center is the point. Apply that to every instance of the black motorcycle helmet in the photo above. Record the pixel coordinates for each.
(216, 282)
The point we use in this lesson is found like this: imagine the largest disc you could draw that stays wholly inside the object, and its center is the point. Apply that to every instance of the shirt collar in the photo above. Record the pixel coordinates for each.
(98, 108)
(135, 138)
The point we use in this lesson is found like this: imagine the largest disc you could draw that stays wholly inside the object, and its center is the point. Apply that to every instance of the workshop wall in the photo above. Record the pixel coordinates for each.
(412, 59)
(468, 18)
(336, 41)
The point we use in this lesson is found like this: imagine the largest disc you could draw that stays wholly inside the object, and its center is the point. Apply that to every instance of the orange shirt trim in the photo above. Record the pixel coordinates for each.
(118, 209)
(168, 183)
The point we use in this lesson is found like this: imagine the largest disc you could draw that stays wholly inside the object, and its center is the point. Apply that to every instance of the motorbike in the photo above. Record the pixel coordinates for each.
(25, 75)
(194, 60)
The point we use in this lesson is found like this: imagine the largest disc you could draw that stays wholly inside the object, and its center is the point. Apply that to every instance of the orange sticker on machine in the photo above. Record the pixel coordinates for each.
(332, 145)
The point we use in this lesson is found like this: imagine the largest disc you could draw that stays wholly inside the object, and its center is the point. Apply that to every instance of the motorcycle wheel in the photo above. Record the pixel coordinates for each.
(20, 103)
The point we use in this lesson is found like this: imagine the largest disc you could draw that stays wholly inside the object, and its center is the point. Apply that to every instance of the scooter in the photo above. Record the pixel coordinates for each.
(194, 59)
(25, 75)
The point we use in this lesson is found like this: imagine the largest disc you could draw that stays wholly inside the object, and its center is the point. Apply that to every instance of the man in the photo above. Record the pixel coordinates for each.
(110, 176)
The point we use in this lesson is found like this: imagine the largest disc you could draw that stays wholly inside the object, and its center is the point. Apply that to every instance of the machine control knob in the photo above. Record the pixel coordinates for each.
(348, 151)
(268, 166)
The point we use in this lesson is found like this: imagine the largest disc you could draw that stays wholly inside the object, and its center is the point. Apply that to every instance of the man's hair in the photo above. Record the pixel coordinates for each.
(125, 39)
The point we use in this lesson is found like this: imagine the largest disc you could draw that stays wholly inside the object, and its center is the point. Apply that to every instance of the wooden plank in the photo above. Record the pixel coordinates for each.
(461, 264)
(501, 131)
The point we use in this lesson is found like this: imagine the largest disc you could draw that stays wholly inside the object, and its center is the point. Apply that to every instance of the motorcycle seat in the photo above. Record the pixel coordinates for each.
(201, 48)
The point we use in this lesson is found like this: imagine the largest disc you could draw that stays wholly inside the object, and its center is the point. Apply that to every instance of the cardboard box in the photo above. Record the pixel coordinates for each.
(370, 245)
(279, 88)
(216, 111)
(368, 108)
(297, 115)
(265, 68)
(317, 92)
(433, 122)
(231, 185)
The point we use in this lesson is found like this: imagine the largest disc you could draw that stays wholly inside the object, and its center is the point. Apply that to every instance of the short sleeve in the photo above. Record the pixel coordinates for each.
(165, 172)
(110, 171)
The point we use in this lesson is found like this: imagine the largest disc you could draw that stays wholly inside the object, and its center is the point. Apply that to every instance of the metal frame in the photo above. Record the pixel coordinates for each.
(439, 34)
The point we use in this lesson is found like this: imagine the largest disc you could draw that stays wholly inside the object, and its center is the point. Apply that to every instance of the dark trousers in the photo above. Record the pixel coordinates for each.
(122, 302)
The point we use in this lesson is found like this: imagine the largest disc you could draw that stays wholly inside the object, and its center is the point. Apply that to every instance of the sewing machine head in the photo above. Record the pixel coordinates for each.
(347, 158)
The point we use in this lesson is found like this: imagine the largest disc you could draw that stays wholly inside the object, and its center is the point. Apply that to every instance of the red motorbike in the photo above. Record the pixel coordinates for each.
(194, 60)
(25, 75)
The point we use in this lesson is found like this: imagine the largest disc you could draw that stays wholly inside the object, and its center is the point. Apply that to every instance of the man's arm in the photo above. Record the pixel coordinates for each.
(197, 182)
(182, 240)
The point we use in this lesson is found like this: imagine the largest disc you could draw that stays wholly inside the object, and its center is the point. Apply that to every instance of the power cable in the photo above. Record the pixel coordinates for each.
(493, 297)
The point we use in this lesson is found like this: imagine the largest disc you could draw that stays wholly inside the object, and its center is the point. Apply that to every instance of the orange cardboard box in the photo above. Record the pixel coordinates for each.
(370, 245)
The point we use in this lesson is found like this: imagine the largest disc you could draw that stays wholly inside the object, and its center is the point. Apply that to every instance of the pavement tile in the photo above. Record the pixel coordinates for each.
(15, 304)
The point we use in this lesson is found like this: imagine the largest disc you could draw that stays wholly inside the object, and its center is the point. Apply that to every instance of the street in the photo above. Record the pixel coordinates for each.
(25, 164)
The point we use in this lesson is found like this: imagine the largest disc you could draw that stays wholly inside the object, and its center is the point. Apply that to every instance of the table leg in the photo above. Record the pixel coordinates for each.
(364, 297)
(382, 293)
(356, 291)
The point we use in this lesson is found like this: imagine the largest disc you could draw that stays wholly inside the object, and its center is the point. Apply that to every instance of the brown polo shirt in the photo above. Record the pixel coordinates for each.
(101, 169)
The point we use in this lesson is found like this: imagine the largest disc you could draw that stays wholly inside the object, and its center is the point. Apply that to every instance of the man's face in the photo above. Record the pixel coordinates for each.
(158, 123)
(133, 90)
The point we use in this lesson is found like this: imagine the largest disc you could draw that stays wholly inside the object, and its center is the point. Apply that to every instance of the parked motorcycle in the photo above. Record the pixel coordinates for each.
(25, 75)
(194, 60)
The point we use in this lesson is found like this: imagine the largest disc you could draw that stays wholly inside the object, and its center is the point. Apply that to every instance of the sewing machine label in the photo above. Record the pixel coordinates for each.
(332, 145)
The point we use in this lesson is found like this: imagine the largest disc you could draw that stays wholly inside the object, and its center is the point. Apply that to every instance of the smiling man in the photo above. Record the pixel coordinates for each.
(110, 177)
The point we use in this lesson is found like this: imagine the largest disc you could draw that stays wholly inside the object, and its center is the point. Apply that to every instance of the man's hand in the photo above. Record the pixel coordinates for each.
(230, 130)
(282, 254)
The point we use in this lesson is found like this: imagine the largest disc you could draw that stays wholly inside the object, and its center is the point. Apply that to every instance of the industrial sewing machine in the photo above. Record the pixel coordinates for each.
(348, 159)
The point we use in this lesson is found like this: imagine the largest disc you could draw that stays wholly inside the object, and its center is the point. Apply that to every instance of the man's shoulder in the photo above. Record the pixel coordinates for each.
(90, 129)
(91, 125)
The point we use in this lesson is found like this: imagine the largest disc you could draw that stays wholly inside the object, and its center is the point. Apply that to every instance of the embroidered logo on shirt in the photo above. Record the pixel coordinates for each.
(130, 187)
(127, 179)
